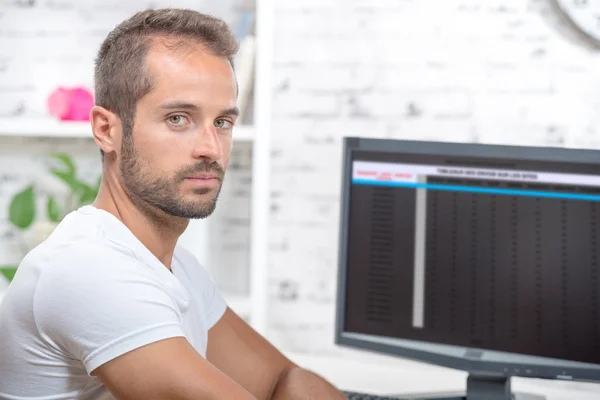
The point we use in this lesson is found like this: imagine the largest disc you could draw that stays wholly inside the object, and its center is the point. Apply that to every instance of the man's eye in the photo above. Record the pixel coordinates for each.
(223, 123)
(176, 119)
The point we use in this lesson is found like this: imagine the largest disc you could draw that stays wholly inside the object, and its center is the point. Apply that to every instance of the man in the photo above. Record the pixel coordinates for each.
(109, 306)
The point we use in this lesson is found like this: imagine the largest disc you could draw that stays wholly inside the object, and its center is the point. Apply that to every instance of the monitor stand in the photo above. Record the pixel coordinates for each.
(480, 387)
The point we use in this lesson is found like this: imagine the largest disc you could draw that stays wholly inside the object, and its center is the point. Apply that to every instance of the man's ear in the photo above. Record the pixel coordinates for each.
(106, 128)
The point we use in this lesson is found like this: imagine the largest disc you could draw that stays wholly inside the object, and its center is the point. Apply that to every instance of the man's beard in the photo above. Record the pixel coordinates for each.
(163, 192)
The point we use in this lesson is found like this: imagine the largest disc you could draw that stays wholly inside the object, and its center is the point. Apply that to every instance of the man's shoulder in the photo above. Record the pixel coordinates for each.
(86, 271)
(78, 236)
(87, 256)
(90, 249)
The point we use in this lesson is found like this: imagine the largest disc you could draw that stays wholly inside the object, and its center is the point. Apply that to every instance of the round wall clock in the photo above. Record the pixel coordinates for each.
(585, 15)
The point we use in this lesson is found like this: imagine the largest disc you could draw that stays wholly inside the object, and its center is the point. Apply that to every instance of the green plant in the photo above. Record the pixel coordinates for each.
(22, 208)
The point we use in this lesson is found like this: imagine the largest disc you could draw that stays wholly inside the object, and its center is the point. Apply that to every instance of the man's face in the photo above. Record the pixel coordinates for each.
(182, 135)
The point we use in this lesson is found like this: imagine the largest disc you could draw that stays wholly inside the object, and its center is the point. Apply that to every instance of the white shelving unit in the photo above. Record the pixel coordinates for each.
(252, 307)
(261, 188)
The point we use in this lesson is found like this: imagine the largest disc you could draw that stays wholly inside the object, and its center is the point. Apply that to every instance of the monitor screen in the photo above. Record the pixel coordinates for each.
(460, 251)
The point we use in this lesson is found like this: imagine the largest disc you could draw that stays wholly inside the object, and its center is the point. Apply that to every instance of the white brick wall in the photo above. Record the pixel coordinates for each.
(45, 43)
(501, 71)
(458, 70)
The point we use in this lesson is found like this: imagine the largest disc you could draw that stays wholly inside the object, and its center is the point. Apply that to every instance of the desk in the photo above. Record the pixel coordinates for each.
(391, 376)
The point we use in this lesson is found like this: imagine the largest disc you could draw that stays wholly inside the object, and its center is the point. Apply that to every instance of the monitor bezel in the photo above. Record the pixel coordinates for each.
(504, 152)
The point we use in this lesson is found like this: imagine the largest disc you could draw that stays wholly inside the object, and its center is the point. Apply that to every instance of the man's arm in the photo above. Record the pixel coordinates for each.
(250, 360)
(170, 369)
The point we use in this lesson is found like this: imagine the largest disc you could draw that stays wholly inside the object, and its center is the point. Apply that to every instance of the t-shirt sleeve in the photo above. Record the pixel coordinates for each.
(100, 304)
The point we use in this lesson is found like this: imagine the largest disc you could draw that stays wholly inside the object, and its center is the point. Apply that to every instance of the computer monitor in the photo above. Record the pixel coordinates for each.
(478, 257)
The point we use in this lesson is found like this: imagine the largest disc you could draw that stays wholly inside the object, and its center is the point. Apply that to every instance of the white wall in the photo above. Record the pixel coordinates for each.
(502, 71)
(462, 70)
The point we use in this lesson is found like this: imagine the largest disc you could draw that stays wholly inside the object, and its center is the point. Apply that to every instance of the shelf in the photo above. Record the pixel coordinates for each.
(44, 127)
(240, 304)
(243, 133)
(50, 128)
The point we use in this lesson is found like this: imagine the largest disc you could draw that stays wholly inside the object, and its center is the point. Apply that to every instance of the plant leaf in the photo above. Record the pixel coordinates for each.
(72, 182)
(22, 208)
(88, 194)
(67, 161)
(83, 192)
(53, 210)
(8, 271)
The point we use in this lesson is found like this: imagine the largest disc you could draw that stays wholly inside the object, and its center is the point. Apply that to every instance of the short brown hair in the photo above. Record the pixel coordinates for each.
(120, 76)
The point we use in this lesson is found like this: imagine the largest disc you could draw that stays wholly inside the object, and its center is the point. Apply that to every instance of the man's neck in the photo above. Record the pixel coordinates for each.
(156, 230)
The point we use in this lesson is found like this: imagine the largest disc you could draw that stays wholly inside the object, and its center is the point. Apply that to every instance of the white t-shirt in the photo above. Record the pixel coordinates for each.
(90, 293)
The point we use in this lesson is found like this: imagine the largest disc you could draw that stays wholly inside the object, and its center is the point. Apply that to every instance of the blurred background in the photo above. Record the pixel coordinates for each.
(491, 71)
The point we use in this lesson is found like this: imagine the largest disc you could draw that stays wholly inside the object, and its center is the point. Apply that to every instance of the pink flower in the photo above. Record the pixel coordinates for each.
(71, 104)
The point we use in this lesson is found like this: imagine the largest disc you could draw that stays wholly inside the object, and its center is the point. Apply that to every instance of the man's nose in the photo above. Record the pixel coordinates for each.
(207, 144)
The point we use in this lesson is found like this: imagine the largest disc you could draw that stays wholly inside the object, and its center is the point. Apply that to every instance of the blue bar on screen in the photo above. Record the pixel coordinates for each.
(475, 189)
